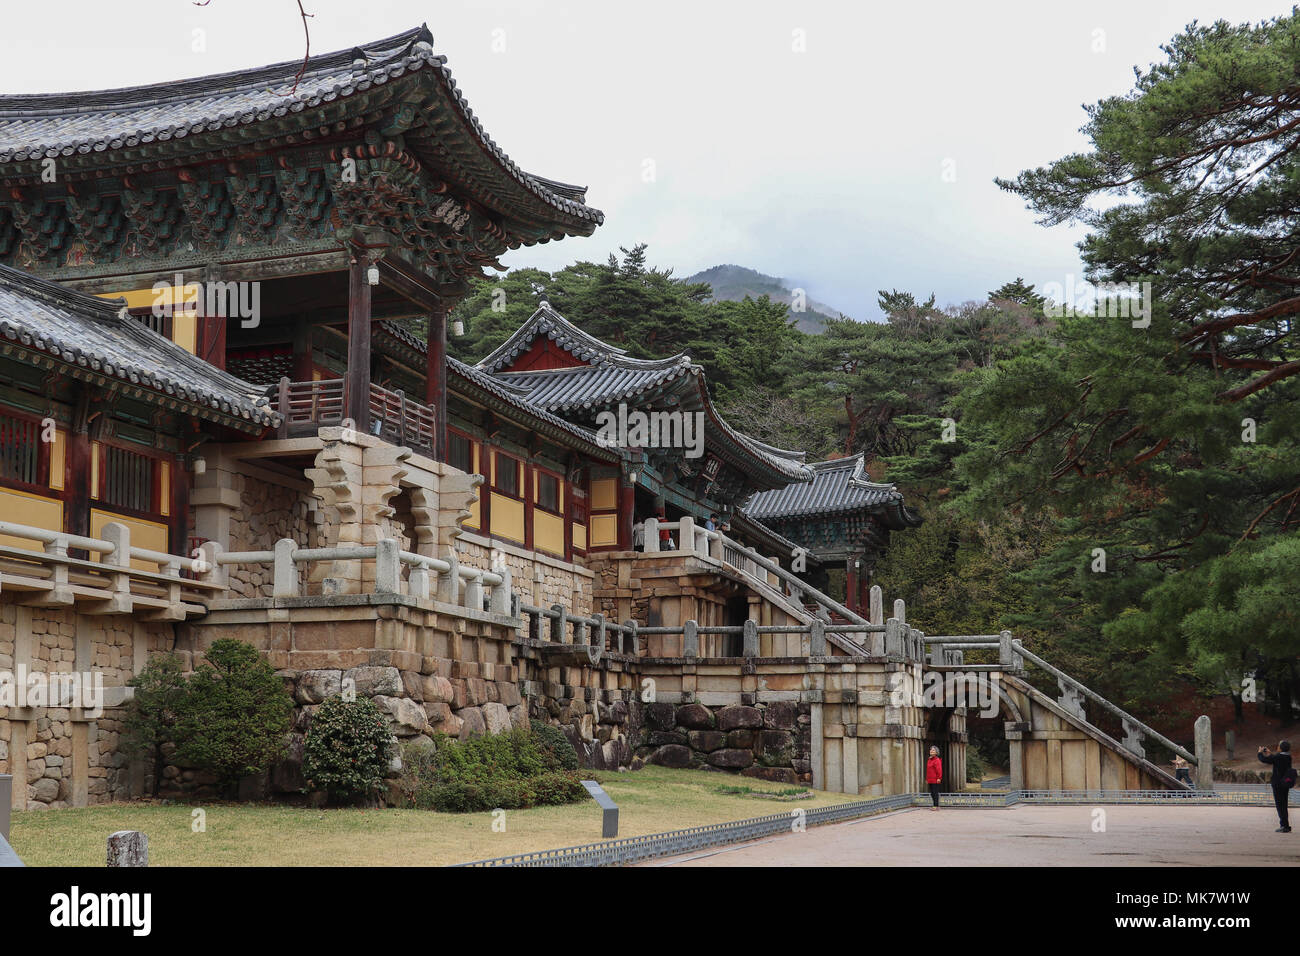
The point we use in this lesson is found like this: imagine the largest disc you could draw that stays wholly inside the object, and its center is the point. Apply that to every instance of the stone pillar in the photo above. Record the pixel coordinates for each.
(128, 848)
(215, 498)
(1204, 754)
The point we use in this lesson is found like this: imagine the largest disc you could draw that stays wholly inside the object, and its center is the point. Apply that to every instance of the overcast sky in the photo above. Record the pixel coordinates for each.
(847, 147)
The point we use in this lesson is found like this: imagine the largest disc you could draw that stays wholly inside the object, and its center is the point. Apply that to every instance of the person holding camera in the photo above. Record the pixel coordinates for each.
(1282, 781)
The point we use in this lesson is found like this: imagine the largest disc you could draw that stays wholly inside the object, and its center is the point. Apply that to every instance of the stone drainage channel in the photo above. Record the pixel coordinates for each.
(674, 842)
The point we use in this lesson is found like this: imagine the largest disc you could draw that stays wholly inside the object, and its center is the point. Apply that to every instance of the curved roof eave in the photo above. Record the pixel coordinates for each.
(64, 124)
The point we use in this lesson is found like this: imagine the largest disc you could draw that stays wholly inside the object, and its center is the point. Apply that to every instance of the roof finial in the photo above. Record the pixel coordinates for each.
(544, 305)
(423, 41)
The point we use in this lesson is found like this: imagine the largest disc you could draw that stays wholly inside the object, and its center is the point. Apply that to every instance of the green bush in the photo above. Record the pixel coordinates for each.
(510, 771)
(153, 714)
(348, 749)
(974, 766)
(556, 745)
(235, 714)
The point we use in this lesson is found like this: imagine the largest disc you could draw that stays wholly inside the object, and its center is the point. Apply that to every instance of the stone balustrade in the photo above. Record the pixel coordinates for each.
(427, 578)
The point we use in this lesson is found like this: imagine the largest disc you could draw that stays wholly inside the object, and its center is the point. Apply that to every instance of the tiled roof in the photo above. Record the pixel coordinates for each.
(837, 486)
(489, 383)
(66, 124)
(546, 322)
(97, 335)
(613, 376)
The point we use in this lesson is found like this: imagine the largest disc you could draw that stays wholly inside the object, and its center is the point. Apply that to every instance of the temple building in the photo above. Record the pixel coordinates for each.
(216, 421)
(841, 517)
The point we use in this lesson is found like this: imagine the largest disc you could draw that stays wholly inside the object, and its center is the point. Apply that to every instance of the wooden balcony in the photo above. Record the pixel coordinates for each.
(306, 407)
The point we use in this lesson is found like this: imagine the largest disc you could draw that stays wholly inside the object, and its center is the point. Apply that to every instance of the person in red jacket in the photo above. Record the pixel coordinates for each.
(934, 775)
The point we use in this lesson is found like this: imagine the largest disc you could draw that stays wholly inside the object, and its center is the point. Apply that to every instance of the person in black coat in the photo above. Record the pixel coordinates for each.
(1281, 762)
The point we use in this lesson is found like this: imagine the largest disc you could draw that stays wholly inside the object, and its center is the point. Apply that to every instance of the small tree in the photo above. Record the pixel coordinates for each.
(154, 712)
(237, 714)
(348, 749)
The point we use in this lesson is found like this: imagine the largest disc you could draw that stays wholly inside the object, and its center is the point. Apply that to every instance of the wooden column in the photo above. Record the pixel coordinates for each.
(851, 599)
(357, 382)
(302, 358)
(181, 476)
(626, 512)
(435, 393)
(77, 490)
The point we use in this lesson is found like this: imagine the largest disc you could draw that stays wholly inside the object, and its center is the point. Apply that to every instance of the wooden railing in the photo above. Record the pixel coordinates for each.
(306, 407)
(397, 419)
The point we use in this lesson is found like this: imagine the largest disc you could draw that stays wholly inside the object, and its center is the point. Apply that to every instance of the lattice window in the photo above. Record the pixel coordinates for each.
(128, 479)
(20, 449)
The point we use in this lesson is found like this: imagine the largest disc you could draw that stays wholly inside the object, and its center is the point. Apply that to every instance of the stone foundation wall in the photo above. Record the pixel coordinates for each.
(538, 579)
(771, 741)
(597, 707)
(60, 756)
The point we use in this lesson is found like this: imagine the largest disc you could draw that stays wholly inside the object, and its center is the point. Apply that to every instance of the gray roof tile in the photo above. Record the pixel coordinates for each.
(838, 485)
(96, 334)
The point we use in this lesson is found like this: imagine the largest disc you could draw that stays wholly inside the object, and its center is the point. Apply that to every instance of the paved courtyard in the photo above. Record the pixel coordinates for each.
(1025, 836)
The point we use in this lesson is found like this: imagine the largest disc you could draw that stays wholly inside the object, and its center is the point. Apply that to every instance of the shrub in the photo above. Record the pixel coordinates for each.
(348, 749)
(153, 713)
(509, 771)
(556, 746)
(235, 714)
(974, 766)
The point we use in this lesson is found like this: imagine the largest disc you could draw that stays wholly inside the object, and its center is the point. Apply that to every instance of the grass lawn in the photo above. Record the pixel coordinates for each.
(650, 800)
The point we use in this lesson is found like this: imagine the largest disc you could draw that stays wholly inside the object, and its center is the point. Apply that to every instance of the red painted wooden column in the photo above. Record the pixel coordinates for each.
(358, 377)
(76, 499)
(435, 395)
(626, 512)
(851, 596)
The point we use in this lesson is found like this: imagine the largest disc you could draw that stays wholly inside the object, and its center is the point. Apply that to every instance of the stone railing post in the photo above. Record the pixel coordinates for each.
(715, 547)
(751, 639)
(1133, 739)
(651, 535)
(417, 582)
(1071, 699)
(119, 536)
(388, 567)
(877, 613)
(1204, 754)
(6, 802)
(284, 582)
(559, 625)
(690, 639)
(893, 636)
(627, 640)
(474, 592)
(817, 638)
(598, 635)
(208, 566)
(500, 598)
(686, 534)
(900, 611)
(449, 583)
